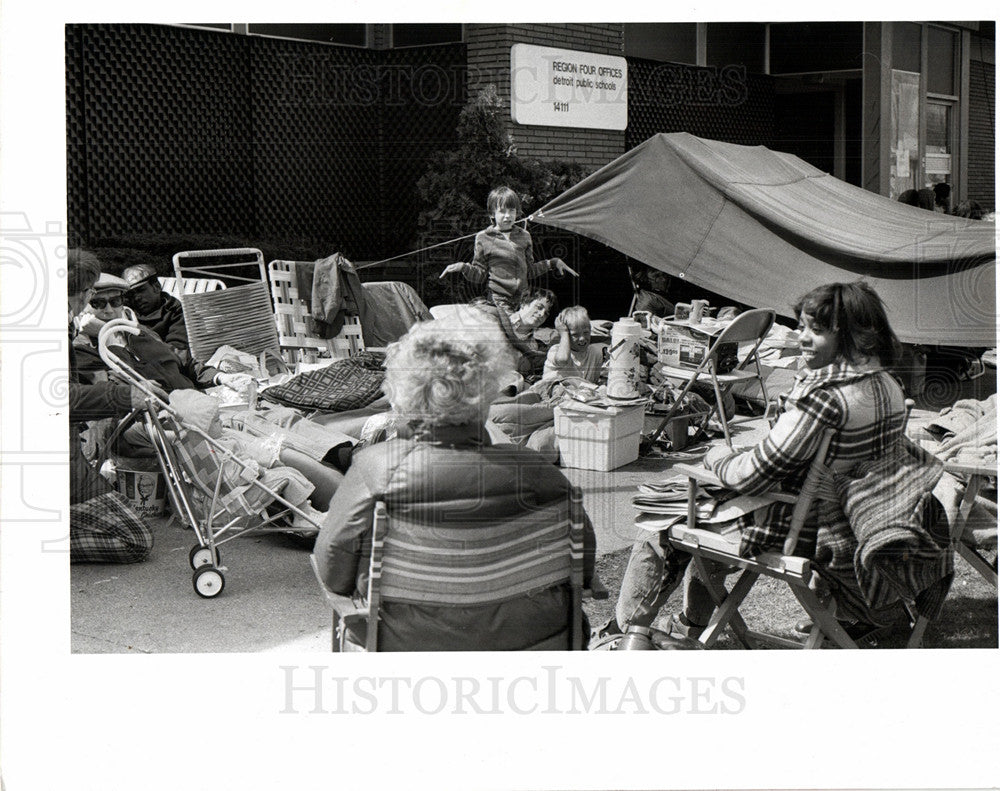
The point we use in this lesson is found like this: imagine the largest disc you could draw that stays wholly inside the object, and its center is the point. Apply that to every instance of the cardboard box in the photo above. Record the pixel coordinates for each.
(686, 346)
(591, 439)
(682, 346)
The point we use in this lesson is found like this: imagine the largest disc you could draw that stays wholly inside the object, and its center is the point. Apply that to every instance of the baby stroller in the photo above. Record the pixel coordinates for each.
(212, 490)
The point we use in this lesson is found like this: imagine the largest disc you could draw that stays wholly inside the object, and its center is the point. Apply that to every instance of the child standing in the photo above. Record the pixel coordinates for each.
(574, 355)
(503, 257)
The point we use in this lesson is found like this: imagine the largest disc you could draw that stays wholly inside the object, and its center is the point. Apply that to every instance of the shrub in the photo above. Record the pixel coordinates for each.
(456, 183)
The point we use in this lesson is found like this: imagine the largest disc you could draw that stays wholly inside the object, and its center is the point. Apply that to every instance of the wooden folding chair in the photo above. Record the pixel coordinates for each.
(796, 571)
(707, 547)
(487, 562)
(977, 475)
(751, 326)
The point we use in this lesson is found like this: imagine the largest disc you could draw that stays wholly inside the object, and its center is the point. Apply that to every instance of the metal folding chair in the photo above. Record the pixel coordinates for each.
(977, 476)
(751, 326)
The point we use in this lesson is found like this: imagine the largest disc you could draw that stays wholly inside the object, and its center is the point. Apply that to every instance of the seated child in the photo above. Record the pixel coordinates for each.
(574, 355)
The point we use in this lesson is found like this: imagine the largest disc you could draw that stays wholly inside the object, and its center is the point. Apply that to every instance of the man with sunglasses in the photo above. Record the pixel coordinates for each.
(155, 308)
(147, 353)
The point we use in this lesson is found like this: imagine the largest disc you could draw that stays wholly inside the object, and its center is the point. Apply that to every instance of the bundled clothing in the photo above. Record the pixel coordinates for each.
(332, 290)
(429, 475)
(103, 527)
(343, 385)
(151, 357)
(167, 321)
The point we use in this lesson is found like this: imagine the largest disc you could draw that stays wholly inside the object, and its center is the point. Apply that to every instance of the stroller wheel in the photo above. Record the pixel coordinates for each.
(208, 582)
(202, 556)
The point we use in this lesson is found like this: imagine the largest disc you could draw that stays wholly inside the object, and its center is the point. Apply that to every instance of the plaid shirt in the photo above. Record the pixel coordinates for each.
(865, 407)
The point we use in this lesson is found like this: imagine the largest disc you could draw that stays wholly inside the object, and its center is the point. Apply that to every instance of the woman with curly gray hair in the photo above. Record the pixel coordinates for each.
(440, 379)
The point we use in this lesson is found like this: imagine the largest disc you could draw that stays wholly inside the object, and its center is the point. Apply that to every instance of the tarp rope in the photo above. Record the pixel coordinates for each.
(369, 264)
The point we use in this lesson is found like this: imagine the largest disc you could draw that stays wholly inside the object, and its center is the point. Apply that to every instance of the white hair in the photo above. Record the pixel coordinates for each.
(447, 371)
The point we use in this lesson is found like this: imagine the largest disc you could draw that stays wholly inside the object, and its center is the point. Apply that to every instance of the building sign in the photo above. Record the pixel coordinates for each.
(564, 87)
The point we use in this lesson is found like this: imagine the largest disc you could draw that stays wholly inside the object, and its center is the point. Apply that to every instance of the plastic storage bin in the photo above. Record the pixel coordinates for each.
(598, 439)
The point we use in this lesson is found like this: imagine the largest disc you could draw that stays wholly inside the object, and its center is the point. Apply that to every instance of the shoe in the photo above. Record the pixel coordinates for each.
(668, 642)
(856, 630)
(681, 627)
(606, 638)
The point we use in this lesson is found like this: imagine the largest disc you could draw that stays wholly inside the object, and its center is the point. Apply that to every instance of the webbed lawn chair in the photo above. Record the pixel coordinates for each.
(298, 335)
(411, 562)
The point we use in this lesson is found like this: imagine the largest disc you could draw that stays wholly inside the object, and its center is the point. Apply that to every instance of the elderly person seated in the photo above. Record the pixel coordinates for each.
(103, 526)
(440, 378)
(155, 308)
(150, 356)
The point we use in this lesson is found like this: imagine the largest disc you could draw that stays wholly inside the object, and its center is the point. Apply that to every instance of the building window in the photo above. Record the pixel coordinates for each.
(354, 35)
(924, 106)
(942, 56)
(739, 44)
(904, 164)
(672, 42)
(939, 147)
(809, 47)
(423, 34)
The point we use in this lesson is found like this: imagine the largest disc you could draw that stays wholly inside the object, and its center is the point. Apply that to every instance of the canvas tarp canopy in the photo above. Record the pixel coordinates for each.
(762, 227)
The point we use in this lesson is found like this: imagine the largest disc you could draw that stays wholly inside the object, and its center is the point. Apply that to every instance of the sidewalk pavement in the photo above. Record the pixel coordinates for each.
(271, 600)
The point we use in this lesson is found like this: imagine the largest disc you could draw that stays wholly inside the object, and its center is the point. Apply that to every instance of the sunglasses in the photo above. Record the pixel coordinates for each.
(98, 303)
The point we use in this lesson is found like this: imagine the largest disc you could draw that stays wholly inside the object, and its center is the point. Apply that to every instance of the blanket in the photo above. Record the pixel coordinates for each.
(895, 555)
(345, 384)
(391, 308)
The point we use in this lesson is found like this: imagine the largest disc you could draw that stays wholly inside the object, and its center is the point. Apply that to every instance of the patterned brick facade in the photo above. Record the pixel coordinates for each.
(489, 63)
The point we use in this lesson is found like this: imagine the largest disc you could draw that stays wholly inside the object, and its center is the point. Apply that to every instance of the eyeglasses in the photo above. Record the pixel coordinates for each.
(99, 303)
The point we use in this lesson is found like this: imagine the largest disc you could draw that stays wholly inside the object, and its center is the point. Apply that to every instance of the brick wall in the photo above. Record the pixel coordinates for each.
(982, 133)
(489, 63)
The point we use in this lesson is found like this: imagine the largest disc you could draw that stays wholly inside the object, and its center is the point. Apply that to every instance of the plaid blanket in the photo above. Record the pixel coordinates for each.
(345, 384)
(105, 529)
(894, 554)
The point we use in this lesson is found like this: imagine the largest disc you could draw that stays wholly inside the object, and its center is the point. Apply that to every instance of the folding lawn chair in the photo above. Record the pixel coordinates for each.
(420, 564)
(707, 546)
(977, 476)
(211, 489)
(191, 285)
(751, 326)
(239, 316)
(298, 336)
